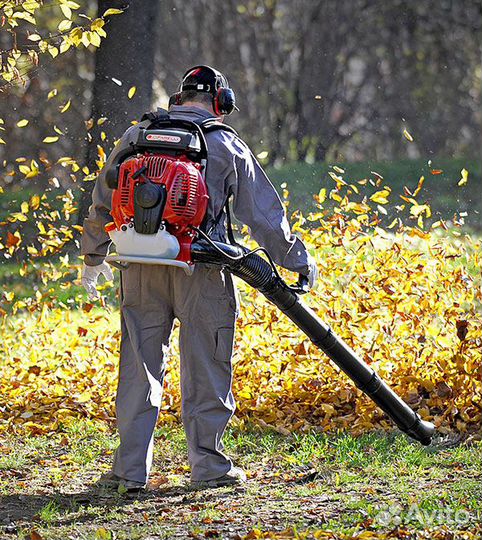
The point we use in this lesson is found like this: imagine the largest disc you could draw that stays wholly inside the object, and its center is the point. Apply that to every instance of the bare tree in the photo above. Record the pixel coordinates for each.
(319, 78)
(125, 60)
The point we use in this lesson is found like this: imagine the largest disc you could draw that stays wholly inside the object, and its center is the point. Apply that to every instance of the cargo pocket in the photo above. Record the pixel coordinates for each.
(131, 285)
(218, 298)
(224, 344)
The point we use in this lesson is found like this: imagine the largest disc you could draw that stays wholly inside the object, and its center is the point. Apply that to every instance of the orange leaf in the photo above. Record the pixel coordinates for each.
(12, 240)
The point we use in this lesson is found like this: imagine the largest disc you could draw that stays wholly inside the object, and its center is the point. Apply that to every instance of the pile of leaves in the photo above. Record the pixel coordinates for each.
(407, 299)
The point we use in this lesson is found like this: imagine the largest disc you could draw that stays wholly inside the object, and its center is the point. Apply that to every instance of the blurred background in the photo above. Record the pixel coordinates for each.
(387, 90)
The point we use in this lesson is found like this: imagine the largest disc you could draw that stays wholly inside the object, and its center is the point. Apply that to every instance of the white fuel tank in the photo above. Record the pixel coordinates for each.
(160, 245)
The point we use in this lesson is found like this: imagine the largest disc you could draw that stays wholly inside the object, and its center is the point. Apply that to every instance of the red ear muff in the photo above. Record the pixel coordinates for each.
(224, 101)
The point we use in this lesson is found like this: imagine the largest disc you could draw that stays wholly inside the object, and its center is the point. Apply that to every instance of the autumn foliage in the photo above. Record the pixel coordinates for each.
(403, 289)
(406, 298)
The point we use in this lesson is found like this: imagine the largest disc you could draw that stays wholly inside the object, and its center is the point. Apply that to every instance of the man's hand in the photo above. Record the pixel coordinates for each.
(90, 275)
(312, 273)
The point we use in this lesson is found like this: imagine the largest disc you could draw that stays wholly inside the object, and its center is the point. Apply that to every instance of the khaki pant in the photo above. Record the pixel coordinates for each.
(206, 306)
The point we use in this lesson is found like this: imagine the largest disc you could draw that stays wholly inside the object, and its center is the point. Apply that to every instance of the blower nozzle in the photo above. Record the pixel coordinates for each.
(261, 275)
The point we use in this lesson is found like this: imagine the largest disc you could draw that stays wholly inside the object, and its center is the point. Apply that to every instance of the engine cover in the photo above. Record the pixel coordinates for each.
(157, 192)
(187, 197)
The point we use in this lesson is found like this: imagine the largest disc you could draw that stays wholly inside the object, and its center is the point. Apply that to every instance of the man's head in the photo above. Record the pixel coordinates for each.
(208, 87)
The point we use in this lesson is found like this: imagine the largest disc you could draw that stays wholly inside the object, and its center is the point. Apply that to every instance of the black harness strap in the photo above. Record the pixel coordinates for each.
(209, 125)
(153, 117)
(229, 225)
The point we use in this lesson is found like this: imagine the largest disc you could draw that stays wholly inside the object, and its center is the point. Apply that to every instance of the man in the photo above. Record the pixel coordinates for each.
(152, 297)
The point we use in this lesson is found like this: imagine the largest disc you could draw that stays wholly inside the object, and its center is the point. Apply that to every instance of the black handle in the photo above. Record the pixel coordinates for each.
(302, 285)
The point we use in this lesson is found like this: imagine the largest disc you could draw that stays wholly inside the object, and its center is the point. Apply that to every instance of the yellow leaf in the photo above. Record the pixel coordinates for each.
(64, 25)
(112, 11)
(24, 207)
(132, 91)
(53, 51)
(262, 155)
(25, 16)
(94, 39)
(380, 197)
(85, 396)
(393, 223)
(65, 46)
(30, 5)
(65, 107)
(96, 24)
(76, 35)
(338, 169)
(50, 140)
(337, 179)
(22, 123)
(2, 141)
(419, 209)
(103, 534)
(24, 169)
(444, 341)
(85, 39)
(419, 186)
(52, 93)
(66, 11)
(407, 135)
(17, 216)
(34, 37)
(465, 176)
(101, 153)
(35, 202)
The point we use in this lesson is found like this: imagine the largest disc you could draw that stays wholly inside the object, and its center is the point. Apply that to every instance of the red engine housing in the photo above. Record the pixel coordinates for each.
(187, 194)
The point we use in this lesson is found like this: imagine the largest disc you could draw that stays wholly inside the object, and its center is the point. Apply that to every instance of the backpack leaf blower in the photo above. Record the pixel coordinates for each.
(159, 206)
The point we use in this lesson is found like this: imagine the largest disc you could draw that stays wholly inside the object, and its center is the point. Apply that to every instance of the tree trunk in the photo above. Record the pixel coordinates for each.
(124, 59)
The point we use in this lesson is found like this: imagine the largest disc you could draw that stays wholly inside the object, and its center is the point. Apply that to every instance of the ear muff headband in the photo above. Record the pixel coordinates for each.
(224, 99)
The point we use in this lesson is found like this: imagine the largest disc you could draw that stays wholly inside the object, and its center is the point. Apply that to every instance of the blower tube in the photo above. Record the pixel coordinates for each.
(260, 274)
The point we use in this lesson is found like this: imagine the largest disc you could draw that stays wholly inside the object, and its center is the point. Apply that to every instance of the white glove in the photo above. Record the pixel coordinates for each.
(312, 273)
(90, 275)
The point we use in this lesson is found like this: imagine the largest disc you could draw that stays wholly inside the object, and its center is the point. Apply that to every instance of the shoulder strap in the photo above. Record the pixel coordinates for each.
(229, 225)
(208, 125)
(154, 116)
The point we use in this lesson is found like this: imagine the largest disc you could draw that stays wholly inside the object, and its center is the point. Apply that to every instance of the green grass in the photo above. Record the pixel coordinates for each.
(310, 481)
(50, 512)
(441, 191)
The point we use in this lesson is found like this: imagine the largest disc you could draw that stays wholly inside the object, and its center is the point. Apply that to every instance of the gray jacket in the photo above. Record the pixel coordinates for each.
(232, 169)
